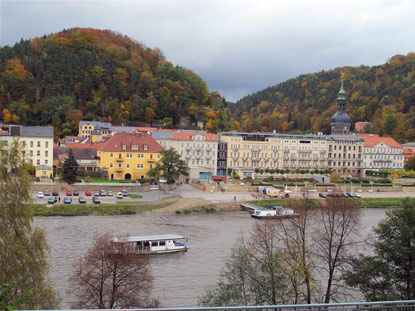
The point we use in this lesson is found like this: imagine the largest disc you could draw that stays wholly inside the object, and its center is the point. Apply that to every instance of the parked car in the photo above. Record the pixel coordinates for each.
(81, 200)
(67, 200)
(76, 193)
(125, 193)
(88, 193)
(55, 193)
(119, 195)
(102, 193)
(349, 195)
(357, 195)
(52, 201)
(96, 200)
(322, 195)
(96, 194)
(69, 193)
(110, 194)
(46, 193)
(40, 194)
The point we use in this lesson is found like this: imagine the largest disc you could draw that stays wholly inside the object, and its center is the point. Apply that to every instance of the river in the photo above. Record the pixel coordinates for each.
(178, 278)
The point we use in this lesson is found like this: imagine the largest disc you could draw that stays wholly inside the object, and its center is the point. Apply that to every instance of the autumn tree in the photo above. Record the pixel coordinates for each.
(336, 237)
(23, 249)
(254, 273)
(296, 248)
(109, 276)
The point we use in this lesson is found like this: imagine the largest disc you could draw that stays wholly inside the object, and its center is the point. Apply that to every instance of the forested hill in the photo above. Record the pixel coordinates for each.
(92, 74)
(383, 95)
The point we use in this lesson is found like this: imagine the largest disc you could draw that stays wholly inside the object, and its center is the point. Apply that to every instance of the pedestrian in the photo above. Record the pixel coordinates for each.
(234, 198)
(59, 198)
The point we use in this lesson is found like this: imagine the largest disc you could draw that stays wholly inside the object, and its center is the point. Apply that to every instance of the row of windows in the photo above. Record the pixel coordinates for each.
(38, 153)
(38, 144)
(139, 165)
(130, 155)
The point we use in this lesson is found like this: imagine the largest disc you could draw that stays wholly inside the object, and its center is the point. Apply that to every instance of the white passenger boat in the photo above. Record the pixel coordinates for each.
(281, 213)
(155, 244)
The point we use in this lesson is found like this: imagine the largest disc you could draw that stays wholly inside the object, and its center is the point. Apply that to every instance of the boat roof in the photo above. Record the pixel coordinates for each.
(158, 237)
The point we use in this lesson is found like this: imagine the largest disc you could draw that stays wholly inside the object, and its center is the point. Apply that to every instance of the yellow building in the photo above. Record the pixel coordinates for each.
(129, 155)
(87, 127)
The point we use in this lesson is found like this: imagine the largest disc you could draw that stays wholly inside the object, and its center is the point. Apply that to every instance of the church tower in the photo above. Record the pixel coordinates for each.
(340, 121)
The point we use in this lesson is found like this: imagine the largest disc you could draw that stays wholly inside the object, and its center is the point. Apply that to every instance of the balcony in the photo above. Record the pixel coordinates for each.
(188, 148)
(209, 148)
(276, 149)
(119, 159)
(235, 147)
(286, 150)
(188, 156)
(199, 148)
(304, 151)
(119, 170)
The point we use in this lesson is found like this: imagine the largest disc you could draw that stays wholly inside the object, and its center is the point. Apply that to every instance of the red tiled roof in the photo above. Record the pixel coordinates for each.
(116, 142)
(371, 140)
(188, 136)
(82, 145)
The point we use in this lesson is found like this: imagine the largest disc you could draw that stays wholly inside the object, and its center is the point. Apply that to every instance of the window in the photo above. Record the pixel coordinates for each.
(111, 165)
(120, 155)
(46, 161)
(158, 156)
(119, 165)
(124, 146)
(111, 155)
(145, 147)
(38, 153)
(46, 144)
(31, 152)
(151, 155)
(31, 144)
(151, 165)
(38, 162)
(128, 165)
(38, 143)
(134, 147)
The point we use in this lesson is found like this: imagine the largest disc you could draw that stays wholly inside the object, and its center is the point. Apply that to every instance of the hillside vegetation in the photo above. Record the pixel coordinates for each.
(383, 95)
(91, 74)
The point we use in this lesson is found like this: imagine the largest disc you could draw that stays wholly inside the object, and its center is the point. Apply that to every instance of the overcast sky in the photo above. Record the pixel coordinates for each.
(237, 47)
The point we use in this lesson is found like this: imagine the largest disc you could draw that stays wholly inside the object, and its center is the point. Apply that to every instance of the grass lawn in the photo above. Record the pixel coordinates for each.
(118, 208)
(94, 180)
(135, 196)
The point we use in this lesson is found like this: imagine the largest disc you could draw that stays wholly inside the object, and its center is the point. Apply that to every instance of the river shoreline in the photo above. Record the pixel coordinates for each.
(178, 205)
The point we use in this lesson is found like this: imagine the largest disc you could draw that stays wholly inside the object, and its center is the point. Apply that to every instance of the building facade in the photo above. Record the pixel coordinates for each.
(129, 155)
(249, 151)
(197, 149)
(345, 155)
(381, 153)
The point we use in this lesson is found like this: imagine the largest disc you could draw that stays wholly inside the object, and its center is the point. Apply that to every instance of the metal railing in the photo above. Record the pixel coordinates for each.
(405, 305)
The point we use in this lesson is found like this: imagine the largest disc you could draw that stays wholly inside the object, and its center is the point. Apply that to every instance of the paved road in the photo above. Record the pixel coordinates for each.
(187, 191)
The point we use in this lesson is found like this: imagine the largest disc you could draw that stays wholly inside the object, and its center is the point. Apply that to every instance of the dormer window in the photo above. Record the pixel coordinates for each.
(115, 146)
(145, 147)
(134, 147)
(124, 146)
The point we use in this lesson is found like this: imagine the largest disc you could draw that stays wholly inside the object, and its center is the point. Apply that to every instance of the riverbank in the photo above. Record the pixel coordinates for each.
(179, 205)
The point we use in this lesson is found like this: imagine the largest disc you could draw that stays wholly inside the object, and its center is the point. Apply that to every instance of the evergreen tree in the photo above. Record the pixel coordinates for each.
(170, 166)
(70, 169)
(23, 249)
(390, 273)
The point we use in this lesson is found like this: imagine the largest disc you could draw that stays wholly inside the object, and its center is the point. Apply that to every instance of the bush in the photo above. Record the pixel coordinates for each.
(384, 181)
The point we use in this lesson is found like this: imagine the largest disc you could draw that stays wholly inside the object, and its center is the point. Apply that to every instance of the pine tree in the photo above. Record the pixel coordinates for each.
(70, 169)
(23, 249)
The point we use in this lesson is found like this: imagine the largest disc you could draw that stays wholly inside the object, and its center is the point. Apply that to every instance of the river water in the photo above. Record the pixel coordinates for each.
(178, 278)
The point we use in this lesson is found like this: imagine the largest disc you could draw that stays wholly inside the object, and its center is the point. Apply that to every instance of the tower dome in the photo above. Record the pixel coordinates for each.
(340, 121)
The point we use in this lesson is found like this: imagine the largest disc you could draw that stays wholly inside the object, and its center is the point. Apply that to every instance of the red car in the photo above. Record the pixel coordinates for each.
(68, 193)
(88, 193)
